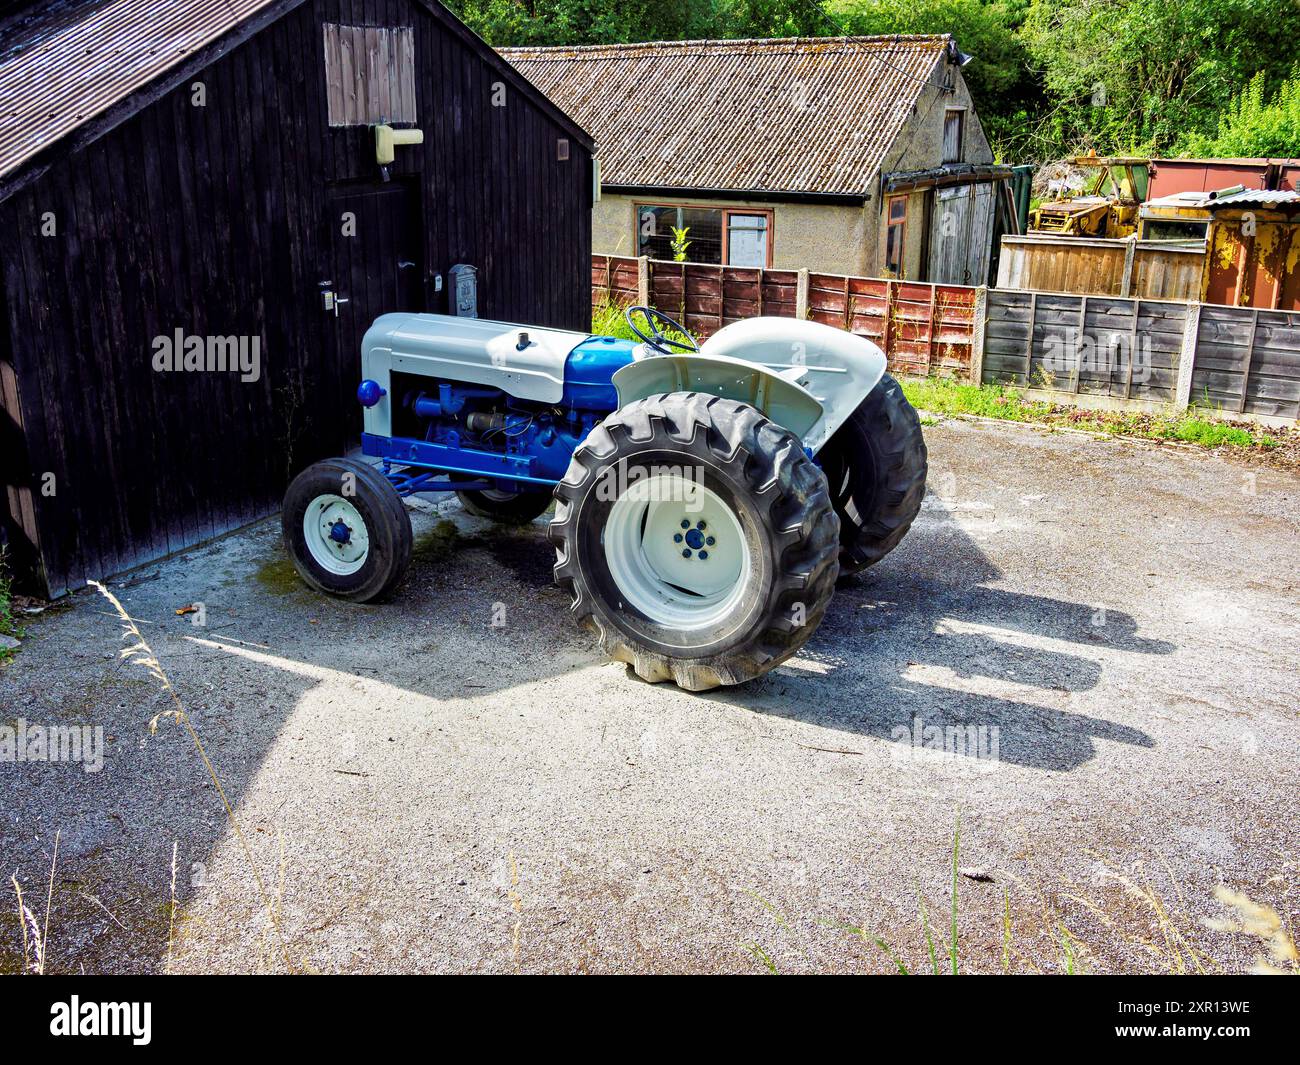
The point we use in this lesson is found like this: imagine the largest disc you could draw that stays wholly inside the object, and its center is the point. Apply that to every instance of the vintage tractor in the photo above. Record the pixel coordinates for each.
(706, 498)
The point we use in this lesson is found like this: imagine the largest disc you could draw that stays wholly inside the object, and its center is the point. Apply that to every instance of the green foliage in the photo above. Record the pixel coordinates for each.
(679, 243)
(1253, 125)
(1049, 78)
(998, 75)
(552, 22)
(1005, 402)
(1132, 76)
(8, 625)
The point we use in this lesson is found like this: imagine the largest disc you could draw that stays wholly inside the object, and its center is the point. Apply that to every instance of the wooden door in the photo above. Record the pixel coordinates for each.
(378, 266)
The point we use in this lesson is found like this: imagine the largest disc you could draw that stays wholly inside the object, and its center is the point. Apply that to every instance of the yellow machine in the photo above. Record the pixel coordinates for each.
(1108, 207)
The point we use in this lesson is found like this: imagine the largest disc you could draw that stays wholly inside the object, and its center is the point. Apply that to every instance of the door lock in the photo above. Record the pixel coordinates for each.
(332, 300)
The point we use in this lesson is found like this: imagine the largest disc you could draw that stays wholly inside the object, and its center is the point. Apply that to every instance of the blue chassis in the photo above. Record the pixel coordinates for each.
(411, 467)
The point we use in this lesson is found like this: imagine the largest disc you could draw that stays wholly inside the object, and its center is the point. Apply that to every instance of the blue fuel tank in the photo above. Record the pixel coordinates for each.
(588, 370)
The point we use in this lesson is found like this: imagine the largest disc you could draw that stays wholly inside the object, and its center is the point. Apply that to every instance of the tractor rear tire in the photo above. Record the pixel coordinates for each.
(372, 548)
(710, 586)
(512, 508)
(876, 465)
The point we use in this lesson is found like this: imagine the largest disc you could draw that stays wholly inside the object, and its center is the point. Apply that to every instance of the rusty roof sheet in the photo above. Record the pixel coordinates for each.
(65, 62)
(801, 115)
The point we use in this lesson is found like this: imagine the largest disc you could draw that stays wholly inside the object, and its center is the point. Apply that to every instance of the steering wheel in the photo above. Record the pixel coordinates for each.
(659, 338)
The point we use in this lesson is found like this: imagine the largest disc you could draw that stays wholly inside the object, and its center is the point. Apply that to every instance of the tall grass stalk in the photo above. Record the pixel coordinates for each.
(141, 654)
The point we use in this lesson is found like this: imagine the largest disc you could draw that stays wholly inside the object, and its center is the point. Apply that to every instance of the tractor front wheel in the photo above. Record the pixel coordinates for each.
(697, 538)
(346, 529)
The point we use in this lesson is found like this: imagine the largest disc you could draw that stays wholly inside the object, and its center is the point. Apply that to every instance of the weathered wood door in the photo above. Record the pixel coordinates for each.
(961, 234)
(378, 265)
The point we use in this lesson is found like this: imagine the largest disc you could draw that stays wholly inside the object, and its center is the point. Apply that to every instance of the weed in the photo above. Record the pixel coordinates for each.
(8, 625)
(1007, 402)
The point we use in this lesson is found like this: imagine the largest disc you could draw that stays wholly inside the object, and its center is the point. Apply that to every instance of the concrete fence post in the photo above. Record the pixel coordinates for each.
(978, 325)
(643, 280)
(801, 294)
(1187, 356)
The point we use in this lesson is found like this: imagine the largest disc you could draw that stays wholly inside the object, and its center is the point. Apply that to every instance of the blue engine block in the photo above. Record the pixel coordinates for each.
(485, 438)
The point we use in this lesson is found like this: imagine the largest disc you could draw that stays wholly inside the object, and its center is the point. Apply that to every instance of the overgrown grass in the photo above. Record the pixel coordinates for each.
(8, 624)
(608, 320)
(1134, 922)
(943, 396)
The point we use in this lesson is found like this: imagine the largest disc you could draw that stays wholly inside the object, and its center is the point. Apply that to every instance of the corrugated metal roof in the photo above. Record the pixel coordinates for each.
(73, 59)
(1251, 197)
(802, 115)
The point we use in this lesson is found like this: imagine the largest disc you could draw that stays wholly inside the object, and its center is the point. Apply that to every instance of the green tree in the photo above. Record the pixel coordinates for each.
(1135, 75)
(998, 75)
(1254, 125)
(554, 22)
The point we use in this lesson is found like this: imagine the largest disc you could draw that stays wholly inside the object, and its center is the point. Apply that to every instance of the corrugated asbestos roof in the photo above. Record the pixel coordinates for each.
(1252, 197)
(803, 115)
(68, 61)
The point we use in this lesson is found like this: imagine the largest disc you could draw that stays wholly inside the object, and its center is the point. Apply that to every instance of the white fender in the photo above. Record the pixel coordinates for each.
(803, 375)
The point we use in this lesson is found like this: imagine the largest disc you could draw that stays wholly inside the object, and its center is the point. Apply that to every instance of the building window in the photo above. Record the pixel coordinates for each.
(369, 74)
(954, 129)
(895, 235)
(730, 236)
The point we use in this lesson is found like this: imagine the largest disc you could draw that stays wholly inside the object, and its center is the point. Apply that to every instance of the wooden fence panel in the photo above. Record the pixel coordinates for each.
(924, 329)
(1086, 345)
(1248, 361)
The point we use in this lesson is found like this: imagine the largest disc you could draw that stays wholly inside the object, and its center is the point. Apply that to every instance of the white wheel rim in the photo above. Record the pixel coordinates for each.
(336, 535)
(676, 552)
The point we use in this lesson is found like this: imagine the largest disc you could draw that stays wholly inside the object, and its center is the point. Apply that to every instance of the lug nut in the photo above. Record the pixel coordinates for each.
(677, 538)
(710, 541)
(704, 554)
(701, 525)
(685, 524)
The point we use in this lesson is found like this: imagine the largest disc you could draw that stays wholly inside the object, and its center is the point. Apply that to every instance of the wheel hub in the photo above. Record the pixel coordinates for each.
(656, 537)
(335, 534)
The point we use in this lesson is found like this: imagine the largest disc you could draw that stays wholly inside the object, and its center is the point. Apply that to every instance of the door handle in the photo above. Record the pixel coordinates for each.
(331, 301)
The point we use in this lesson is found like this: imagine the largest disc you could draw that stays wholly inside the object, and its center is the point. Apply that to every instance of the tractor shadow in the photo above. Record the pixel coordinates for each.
(920, 645)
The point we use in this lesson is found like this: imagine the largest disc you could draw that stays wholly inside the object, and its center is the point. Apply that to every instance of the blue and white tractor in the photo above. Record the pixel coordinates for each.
(706, 497)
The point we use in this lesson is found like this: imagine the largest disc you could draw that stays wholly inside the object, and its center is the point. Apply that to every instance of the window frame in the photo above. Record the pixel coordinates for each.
(960, 113)
(901, 224)
(767, 212)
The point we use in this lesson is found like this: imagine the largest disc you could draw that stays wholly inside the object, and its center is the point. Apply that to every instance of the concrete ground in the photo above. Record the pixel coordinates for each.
(1105, 632)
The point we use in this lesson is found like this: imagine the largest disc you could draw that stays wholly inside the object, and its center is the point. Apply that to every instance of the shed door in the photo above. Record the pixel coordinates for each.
(378, 266)
(961, 234)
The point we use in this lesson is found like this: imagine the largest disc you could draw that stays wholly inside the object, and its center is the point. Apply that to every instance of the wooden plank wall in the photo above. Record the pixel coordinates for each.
(924, 329)
(1063, 342)
(1097, 267)
(213, 219)
(1248, 361)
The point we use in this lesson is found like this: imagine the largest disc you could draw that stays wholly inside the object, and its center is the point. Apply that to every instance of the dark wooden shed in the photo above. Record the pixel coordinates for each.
(187, 185)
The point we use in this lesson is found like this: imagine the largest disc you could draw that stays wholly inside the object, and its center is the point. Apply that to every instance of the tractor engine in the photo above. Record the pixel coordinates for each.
(481, 400)
(466, 417)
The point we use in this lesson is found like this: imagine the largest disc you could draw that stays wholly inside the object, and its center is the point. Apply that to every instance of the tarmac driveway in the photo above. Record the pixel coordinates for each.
(1086, 649)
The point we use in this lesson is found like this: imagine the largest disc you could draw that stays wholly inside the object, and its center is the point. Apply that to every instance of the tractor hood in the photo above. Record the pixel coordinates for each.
(525, 361)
